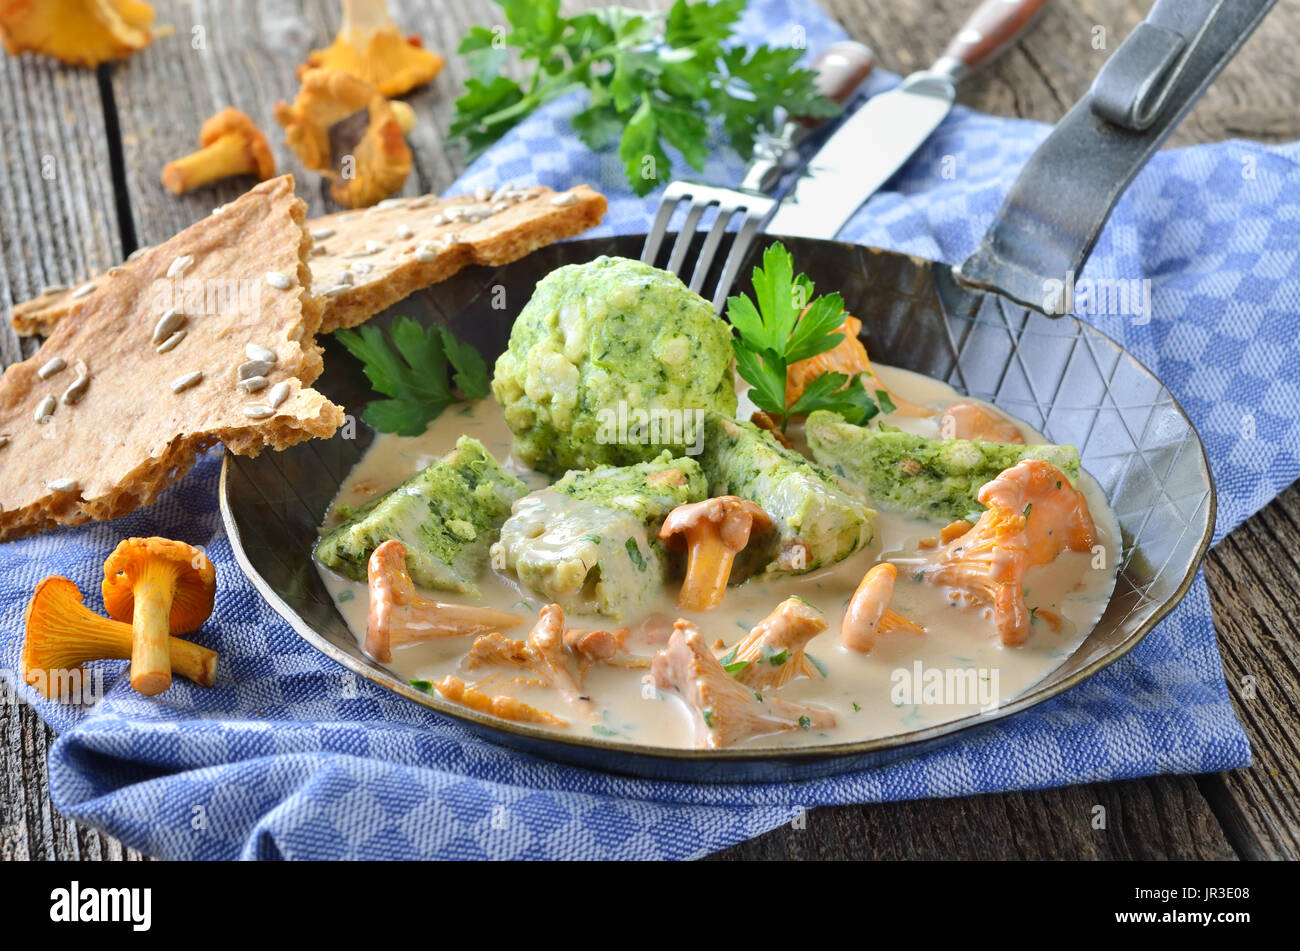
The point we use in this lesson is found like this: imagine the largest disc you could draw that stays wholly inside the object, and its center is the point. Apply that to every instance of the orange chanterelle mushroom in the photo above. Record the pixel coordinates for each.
(773, 651)
(400, 616)
(231, 145)
(973, 421)
(544, 654)
(507, 708)
(370, 47)
(79, 32)
(725, 711)
(344, 128)
(1033, 515)
(868, 615)
(713, 532)
(161, 587)
(62, 634)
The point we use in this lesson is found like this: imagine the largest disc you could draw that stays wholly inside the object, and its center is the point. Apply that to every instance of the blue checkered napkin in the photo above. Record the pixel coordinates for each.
(292, 756)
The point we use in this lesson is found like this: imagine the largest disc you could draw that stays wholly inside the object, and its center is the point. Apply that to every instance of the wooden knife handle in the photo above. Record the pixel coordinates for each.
(994, 26)
(841, 69)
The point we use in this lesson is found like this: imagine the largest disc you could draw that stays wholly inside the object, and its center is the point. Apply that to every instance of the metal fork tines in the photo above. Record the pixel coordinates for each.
(754, 208)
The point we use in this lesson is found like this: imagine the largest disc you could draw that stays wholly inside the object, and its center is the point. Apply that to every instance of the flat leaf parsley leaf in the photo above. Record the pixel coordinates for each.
(410, 367)
(784, 324)
(651, 78)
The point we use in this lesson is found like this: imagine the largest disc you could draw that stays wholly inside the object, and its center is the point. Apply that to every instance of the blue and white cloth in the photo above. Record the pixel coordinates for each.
(292, 756)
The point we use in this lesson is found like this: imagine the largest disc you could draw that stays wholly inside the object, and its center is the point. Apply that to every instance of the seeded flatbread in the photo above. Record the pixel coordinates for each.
(395, 248)
(124, 417)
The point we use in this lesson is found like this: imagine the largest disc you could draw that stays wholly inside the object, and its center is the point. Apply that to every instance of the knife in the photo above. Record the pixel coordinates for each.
(875, 142)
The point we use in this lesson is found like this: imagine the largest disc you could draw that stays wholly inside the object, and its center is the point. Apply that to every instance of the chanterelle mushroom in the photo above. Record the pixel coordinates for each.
(400, 616)
(725, 710)
(1033, 515)
(370, 47)
(868, 615)
(231, 145)
(544, 653)
(62, 634)
(1056, 513)
(773, 651)
(79, 32)
(849, 357)
(344, 128)
(968, 420)
(161, 587)
(507, 708)
(713, 532)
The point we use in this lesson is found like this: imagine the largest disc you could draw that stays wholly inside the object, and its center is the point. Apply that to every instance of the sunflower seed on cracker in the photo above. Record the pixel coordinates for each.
(254, 368)
(255, 351)
(170, 344)
(186, 381)
(51, 367)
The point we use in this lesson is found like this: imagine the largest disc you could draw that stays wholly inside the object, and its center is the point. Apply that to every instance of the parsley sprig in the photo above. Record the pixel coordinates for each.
(410, 367)
(772, 335)
(651, 77)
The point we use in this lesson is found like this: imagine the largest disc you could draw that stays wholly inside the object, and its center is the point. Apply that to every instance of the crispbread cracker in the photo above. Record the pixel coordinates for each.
(130, 435)
(525, 219)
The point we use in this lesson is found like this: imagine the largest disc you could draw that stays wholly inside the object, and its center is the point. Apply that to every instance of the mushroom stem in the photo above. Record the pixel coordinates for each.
(363, 18)
(398, 615)
(713, 532)
(443, 619)
(227, 156)
(404, 114)
(151, 662)
(62, 634)
(708, 568)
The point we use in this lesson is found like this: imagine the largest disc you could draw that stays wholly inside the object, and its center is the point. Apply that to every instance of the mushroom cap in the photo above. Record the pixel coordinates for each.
(195, 584)
(327, 97)
(79, 32)
(735, 518)
(372, 48)
(54, 598)
(230, 121)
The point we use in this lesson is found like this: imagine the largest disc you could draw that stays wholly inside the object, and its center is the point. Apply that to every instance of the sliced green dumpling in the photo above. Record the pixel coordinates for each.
(816, 520)
(588, 542)
(446, 515)
(932, 478)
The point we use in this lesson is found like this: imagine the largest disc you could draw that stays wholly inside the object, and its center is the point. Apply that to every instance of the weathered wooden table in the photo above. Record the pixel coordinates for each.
(79, 190)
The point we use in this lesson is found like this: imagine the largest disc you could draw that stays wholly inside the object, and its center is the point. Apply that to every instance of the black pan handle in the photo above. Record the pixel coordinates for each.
(1046, 228)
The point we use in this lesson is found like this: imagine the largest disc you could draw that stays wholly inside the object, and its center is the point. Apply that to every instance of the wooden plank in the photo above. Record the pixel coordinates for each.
(1255, 593)
(1158, 819)
(240, 53)
(58, 219)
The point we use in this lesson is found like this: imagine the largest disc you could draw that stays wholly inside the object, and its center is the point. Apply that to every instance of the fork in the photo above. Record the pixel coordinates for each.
(840, 69)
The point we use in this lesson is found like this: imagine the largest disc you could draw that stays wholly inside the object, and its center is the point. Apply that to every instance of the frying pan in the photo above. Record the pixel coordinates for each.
(980, 328)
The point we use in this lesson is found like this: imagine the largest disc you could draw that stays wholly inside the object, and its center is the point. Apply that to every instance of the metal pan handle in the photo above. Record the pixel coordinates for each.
(1052, 216)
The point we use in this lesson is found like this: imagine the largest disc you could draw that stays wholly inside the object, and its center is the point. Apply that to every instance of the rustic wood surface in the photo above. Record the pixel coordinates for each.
(79, 188)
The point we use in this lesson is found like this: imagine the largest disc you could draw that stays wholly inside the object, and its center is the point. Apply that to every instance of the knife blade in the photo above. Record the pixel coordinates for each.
(875, 142)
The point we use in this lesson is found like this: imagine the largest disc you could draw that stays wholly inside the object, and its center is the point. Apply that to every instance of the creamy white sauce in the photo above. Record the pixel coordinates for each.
(872, 695)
